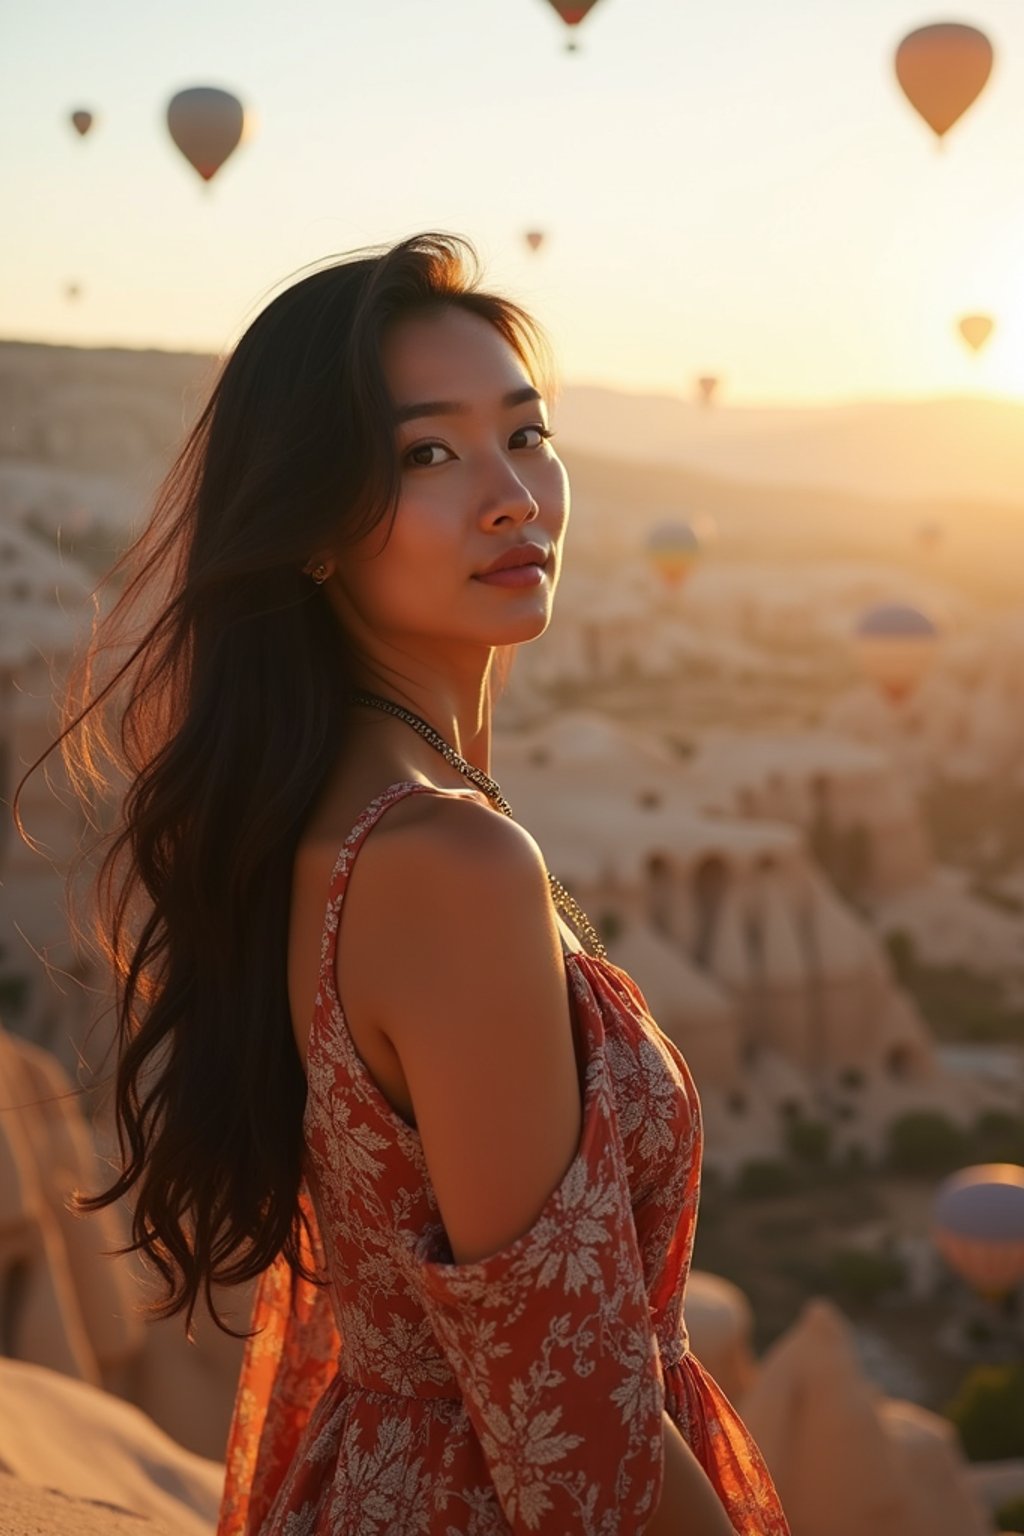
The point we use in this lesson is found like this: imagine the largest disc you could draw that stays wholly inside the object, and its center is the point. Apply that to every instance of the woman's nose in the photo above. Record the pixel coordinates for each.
(508, 495)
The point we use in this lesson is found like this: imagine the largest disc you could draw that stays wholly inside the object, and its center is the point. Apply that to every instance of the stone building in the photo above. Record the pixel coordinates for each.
(777, 991)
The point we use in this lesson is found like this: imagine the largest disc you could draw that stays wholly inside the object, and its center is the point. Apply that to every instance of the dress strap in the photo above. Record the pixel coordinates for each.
(368, 819)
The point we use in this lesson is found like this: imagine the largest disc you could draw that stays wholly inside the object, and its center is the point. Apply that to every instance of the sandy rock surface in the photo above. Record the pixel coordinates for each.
(84, 1460)
(28, 1510)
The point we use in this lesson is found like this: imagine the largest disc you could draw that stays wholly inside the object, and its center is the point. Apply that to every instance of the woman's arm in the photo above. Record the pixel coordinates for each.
(689, 1505)
(532, 1279)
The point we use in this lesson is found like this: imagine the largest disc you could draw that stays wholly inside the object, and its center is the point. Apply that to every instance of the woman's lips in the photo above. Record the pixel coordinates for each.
(514, 576)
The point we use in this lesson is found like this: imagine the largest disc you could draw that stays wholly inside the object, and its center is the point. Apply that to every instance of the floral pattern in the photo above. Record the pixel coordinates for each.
(522, 1392)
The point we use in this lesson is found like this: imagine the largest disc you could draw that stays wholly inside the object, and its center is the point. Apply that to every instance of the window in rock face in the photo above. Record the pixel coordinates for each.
(710, 880)
(659, 894)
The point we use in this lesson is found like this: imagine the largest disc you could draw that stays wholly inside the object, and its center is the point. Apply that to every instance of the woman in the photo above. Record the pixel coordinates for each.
(470, 1195)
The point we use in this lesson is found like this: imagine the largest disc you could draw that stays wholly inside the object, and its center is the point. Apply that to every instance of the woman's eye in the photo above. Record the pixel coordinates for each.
(416, 457)
(543, 433)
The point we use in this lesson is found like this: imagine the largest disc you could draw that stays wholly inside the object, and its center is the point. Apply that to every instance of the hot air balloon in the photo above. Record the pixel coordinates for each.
(82, 120)
(942, 69)
(976, 330)
(534, 239)
(674, 549)
(895, 645)
(978, 1226)
(706, 386)
(207, 125)
(572, 13)
(72, 291)
(930, 533)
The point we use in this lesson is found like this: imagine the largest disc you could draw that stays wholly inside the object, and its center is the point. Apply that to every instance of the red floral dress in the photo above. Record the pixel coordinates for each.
(519, 1393)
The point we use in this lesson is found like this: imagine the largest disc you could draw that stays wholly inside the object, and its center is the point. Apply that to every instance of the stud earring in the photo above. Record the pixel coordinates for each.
(319, 573)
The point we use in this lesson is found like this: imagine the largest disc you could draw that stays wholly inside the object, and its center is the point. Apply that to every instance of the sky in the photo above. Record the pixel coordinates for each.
(729, 187)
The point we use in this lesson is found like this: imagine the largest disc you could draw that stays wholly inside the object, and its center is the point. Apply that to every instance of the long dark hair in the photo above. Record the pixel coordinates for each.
(232, 686)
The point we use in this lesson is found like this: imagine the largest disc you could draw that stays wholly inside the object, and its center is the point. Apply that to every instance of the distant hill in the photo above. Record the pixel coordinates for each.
(970, 449)
(109, 410)
(616, 503)
(967, 449)
(97, 428)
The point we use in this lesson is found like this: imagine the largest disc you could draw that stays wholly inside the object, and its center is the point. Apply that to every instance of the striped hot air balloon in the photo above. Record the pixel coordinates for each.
(895, 645)
(674, 549)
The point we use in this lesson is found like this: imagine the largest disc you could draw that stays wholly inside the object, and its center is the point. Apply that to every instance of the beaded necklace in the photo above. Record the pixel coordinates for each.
(562, 900)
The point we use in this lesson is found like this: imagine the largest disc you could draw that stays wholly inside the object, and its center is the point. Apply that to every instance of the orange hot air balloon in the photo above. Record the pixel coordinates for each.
(572, 13)
(942, 69)
(978, 1226)
(82, 120)
(674, 549)
(534, 239)
(706, 386)
(976, 330)
(895, 644)
(207, 125)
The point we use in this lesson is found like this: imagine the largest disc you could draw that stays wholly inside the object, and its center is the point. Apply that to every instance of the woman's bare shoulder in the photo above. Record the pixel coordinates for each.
(440, 833)
(442, 880)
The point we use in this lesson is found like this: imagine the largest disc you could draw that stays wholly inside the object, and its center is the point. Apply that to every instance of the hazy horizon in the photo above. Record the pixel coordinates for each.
(93, 431)
(639, 392)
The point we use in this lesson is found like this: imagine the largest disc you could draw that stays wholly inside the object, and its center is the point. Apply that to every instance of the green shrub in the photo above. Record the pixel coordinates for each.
(926, 1142)
(806, 1271)
(864, 1276)
(988, 1412)
(763, 1177)
(809, 1141)
(997, 1137)
(979, 1332)
(609, 926)
(1010, 1516)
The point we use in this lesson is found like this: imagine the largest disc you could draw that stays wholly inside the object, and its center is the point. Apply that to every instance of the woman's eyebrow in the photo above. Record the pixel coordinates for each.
(454, 408)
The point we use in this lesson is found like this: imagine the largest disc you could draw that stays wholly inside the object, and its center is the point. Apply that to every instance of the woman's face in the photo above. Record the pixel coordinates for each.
(477, 476)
